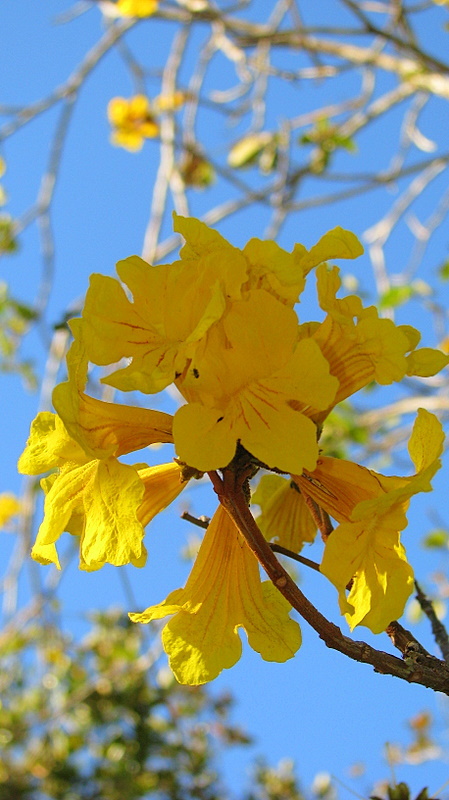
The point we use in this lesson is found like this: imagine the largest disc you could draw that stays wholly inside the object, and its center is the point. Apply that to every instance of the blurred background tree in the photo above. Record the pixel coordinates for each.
(269, 120)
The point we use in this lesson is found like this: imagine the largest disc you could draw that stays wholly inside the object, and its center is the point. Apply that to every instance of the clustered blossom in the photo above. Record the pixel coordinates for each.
(220, 323)
(134, 119)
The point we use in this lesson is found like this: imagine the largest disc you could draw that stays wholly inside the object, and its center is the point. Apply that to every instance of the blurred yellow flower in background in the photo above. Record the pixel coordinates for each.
(132, 121)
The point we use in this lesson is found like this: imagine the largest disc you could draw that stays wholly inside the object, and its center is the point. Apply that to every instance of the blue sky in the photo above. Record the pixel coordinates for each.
(319, 709)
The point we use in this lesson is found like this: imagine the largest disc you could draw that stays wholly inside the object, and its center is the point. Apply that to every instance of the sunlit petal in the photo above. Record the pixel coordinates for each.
(223, 593)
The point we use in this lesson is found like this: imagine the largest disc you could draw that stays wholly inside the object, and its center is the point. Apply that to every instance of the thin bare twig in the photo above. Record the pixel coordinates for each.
(438, 629)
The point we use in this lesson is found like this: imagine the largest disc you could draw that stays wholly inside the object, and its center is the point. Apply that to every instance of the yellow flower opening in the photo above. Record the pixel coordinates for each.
(94, 495)
(365, 549)
(223, 593)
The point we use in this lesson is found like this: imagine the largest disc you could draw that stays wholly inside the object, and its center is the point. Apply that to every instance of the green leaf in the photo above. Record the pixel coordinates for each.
(443, 271)
(436, 538)
(396, 296)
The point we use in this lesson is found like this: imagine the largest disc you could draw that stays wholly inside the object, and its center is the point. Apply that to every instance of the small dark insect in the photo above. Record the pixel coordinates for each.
(196, 374)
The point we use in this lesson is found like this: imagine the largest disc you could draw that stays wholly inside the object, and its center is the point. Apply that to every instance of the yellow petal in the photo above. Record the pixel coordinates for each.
(285, 517)
(199, 238)
(337, 243)
(275, 270)
(265, 415)
(170, 102)
(101, 428)
(413, 335)
(275, 434)
(162, 484)
(328, 283)
(367, 549)
(113, 533)
(211, 255)
(427, 440)
(338, 486)
(117, 110)
(262, 333)
(223, 593)
(306, 379)
(236, 353)
(386, 346)
(49, 445)
(426, 361)
(45, 554)
(201, 438)
(64, 498)
(173, 307)
(112, 325)
(129, 140)
(425, 447)
(370, 552)
(139, 106)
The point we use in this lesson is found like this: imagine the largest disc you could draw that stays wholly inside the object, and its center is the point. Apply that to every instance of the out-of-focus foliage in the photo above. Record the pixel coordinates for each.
(99, 719)
(15, 320)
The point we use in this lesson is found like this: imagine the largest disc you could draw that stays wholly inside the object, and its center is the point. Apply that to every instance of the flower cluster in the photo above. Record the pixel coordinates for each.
(132, 121)
(220, 323)
(135, 119)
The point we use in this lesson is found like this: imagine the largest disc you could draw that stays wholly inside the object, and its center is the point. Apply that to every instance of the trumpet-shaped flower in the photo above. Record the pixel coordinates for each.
(360, 347)
(364, 551)
(95, 496)
(223, 593)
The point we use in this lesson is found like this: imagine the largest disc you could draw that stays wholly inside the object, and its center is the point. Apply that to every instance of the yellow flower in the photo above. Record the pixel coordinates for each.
(365, 548)
(136, 8)
(9, 507)
(245, 387)
(93, 495)
(360, 347)
(222, 594)
(173, 307)
(132, 121)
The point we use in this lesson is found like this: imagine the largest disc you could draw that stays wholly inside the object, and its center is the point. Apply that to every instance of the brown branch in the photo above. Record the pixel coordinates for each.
(200, 522)
(404, 640)
(284, 551)
(439, 631)
(416, 668)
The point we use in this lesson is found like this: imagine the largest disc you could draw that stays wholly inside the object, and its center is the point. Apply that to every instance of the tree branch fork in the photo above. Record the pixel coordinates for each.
(416, 665)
